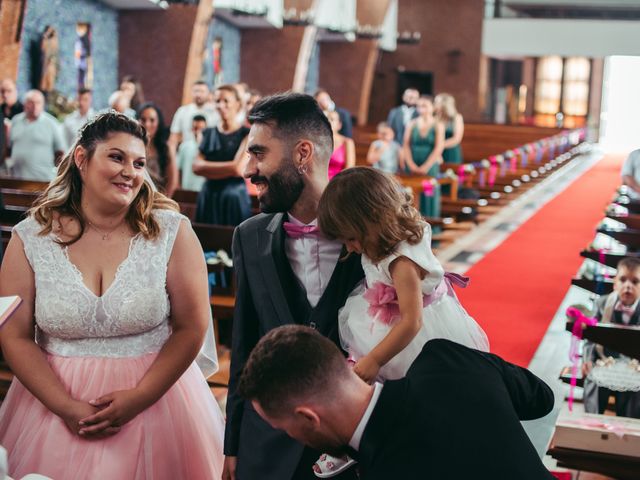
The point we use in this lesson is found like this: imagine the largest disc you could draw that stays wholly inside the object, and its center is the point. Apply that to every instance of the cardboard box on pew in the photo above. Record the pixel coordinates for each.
(598, 433)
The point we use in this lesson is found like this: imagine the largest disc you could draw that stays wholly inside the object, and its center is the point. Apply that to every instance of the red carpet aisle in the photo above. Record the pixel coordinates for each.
(516, 289)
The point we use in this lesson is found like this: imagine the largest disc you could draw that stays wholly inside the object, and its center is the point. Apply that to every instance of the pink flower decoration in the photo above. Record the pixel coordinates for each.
(383, 302)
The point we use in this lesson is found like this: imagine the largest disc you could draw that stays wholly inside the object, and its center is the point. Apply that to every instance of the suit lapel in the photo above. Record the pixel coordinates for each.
(269, 245)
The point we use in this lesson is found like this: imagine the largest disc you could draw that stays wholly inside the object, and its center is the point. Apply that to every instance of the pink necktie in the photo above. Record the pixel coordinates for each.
(297, 231)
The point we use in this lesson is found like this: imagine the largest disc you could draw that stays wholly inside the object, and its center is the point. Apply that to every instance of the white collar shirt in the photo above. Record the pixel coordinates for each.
(359, 431)
(313, 259)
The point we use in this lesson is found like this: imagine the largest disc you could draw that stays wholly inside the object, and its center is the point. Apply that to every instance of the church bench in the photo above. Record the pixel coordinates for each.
(25, 185)
(627, 236)
(608, 259)
(621, 467)
(624, 339)
(19, 198)
(594, 286)
(631, 221)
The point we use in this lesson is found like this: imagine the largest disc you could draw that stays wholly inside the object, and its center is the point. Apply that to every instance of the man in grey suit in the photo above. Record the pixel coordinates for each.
(402, 114)
(287, 272)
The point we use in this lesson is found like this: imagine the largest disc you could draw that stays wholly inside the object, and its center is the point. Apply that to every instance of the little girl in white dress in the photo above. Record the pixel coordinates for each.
(407, 298)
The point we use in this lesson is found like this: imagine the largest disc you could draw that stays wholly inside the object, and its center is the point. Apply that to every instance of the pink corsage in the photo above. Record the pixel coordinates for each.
(383, 302)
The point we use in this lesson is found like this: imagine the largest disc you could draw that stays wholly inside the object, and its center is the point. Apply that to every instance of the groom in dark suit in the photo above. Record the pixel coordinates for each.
(456, 414)
(287, 273)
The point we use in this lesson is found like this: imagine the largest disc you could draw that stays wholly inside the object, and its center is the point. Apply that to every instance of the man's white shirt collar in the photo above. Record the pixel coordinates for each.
(357, 434)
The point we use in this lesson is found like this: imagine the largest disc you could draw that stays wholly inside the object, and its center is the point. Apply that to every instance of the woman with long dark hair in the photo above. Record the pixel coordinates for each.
(161, 162)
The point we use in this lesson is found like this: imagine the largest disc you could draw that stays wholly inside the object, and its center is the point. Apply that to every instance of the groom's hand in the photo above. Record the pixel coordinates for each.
(229, 469)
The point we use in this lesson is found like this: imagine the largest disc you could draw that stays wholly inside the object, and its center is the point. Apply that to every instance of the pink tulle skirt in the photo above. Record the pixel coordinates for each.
(179, 437)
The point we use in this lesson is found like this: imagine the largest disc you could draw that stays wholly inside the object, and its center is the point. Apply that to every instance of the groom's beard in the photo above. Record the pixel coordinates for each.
(284, 188)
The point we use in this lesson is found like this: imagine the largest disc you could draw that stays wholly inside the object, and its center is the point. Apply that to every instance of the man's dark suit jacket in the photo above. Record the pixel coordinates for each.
(269, 295)
(456, 415)
(396, 122)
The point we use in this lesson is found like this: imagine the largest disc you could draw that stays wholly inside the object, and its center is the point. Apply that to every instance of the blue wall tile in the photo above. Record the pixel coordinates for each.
(63, 15)
(231, 37)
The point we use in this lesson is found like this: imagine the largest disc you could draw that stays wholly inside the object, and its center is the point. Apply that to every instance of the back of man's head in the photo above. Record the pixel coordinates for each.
(290, 365)
(294, 117)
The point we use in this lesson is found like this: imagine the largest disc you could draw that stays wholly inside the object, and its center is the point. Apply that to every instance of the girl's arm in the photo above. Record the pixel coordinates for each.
(436, 154)
(189, 295)
(224, 169)
(458, 133)
(407, 279)
(24, 356)
(350, 160)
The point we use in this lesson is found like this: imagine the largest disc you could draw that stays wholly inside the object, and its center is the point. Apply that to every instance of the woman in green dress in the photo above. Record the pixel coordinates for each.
(422, 152)
(423, 141)
(446, 112)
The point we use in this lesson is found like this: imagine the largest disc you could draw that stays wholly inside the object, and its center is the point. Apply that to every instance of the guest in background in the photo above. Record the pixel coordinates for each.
(224, 199)
(76, 119)
(401, 115)
(621, 308)
(11, 106)
(328, 105)
(132, 88)
(446, 112)
(423, 142)
(36, 140)
(161, 163)
(188, 152)
(119, 101)
(631, 174)
(181, 125)
(344, 149)
(384, 153)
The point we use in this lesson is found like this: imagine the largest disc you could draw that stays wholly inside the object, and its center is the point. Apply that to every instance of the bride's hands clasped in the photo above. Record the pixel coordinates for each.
(114, 410)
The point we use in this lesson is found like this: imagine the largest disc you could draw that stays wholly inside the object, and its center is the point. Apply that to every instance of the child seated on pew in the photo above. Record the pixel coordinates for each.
(619, 307)
(407, 298)
(384, 153)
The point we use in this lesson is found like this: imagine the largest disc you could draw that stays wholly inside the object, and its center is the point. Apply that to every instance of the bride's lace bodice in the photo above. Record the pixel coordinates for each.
(131, 318)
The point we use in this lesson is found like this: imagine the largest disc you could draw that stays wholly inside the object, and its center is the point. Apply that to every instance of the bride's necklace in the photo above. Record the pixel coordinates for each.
(106, 234)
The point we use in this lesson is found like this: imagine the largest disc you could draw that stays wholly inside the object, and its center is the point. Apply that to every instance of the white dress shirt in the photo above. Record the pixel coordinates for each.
(313, 259)
(357, 434)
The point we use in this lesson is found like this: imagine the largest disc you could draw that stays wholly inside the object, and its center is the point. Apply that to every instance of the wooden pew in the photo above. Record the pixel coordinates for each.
(624, 339)
(608, 259)
(627, 236)
(214, 238)
(631, 221)
(599, 288)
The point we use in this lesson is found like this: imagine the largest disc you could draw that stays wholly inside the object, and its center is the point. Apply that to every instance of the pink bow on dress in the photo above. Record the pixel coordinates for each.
(383, 298)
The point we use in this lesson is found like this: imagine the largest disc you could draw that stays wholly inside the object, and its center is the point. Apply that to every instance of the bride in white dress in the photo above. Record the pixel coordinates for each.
(115, 310)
